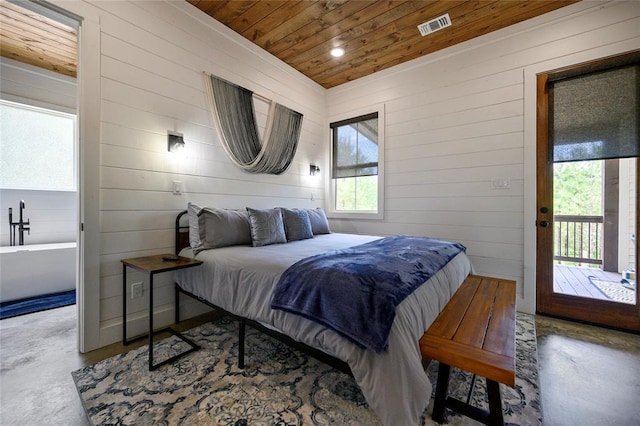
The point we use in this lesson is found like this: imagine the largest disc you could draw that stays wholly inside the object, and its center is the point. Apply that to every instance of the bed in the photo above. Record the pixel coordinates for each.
(240, 279)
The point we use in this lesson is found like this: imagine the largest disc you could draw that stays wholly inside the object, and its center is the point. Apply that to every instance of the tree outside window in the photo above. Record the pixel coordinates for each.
(355, 164)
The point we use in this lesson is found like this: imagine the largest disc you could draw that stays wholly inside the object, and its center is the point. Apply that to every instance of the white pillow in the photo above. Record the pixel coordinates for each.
(194, 232)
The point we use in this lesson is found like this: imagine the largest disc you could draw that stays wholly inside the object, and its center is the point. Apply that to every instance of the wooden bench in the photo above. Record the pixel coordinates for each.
(476, 333)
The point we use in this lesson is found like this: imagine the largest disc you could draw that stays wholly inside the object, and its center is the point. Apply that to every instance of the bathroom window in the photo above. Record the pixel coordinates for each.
(37, 148)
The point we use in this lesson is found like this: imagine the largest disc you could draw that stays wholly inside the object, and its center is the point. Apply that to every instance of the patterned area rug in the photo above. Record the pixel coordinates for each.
(614, 290)
(278, 385)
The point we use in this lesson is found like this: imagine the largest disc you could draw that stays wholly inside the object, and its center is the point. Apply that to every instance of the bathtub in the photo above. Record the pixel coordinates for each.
(37, 269)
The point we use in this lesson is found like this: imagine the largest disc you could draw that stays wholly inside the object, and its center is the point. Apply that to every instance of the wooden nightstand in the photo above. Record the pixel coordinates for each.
(154, 265)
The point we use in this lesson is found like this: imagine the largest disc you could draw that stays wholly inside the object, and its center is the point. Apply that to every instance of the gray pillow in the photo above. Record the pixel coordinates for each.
(319, 222)
(297, 225)
(222, 228)
(266, 227)
(194, 233)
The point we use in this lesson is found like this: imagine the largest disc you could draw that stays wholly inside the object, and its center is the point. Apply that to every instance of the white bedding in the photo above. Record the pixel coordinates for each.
(240, 279)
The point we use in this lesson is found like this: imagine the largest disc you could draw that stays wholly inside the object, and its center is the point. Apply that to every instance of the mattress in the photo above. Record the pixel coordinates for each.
(240, 279)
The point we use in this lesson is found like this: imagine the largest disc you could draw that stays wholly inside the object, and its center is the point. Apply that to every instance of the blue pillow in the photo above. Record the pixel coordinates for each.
(297, 225)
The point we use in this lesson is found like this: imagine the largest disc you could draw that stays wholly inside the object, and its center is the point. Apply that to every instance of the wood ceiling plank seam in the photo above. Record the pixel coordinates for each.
(349, 73)
(382, 50)
(353, 36)
(470, 24)
(8, 33)
(212, 7)
(360, 37)
(537, 9)
(20, 21)
(231, 13)
(272, 19)
(377, 34)
(40, 52)
(40, 63)
(335, 35)
(381, 59)
(313, 32)
(398, 30)
(313, 12)
(20, 35)
(259, 11)
(23, 15)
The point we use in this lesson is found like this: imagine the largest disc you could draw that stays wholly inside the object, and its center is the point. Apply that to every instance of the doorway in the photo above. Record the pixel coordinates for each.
(40, 173)
(587, 192)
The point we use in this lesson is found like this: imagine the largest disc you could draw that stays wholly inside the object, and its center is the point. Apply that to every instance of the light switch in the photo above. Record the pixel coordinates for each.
(177, 187)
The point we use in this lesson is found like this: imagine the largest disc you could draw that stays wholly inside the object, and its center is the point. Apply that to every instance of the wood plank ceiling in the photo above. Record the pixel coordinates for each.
(28, 37)
(374, 34)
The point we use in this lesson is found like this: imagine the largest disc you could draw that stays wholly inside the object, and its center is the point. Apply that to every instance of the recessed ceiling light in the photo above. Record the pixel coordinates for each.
(336, 52)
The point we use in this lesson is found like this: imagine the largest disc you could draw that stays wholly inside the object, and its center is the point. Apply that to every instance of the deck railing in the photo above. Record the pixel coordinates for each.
(578, 239)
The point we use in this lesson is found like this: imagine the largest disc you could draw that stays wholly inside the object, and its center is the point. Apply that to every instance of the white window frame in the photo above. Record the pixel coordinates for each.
(331, 184)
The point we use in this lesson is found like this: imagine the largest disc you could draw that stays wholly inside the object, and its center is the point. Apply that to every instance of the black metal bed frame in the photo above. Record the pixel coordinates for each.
(242, 322)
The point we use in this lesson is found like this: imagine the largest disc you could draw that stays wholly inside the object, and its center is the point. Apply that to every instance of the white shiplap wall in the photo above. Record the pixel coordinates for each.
(152, 56)
(455, 121)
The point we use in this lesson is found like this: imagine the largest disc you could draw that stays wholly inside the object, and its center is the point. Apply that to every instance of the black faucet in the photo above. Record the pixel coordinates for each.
(21, 225)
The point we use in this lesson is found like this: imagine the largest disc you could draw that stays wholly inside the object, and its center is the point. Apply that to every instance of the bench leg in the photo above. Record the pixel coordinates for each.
(442, 388)
(495, 404)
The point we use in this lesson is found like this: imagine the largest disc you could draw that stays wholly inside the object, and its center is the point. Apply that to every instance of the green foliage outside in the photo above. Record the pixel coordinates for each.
(577, 191)
(357, 193)
(577, 188)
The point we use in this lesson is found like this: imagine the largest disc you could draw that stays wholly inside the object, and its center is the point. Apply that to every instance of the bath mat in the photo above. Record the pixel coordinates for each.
(614, 290)
(278, 385)
(36, 304)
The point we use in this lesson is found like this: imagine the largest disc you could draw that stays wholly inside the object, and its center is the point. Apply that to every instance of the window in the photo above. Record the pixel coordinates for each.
(37, 148)
(356, 166)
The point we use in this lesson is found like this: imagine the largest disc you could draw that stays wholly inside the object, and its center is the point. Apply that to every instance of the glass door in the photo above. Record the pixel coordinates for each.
(587, 192)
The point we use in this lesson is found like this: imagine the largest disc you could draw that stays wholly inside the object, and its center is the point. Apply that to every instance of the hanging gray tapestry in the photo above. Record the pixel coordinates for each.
(234, 118)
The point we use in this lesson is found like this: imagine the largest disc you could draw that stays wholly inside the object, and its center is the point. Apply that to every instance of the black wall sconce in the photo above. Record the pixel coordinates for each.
(176, 142)
(313, 170)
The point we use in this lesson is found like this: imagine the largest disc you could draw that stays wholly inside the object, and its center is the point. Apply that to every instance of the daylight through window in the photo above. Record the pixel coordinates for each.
(355, 163)
(37, 148)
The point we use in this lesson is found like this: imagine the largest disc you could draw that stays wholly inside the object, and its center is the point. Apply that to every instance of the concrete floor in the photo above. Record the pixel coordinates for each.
(588, 375)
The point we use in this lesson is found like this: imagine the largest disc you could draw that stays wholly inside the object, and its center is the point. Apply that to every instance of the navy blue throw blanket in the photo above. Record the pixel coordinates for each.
(355, 291)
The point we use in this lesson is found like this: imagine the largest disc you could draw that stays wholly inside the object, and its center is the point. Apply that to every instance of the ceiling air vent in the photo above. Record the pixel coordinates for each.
(435, 24)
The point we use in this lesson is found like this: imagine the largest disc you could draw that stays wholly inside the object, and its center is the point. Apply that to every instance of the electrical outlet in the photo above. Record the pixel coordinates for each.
(501, 183)
(136, 290)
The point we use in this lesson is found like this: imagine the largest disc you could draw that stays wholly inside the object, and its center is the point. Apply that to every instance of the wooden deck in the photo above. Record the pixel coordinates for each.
(575, 281)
